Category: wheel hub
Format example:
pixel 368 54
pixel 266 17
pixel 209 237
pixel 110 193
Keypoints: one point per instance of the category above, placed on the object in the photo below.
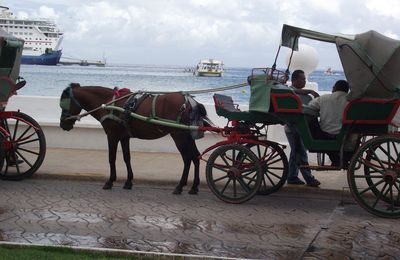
pixel 233 173
pixel 390 177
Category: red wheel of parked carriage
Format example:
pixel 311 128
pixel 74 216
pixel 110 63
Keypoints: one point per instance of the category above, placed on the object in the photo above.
pixel 23 145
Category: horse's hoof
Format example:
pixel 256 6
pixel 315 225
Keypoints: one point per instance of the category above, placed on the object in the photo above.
pixel 177 192
pixel 107 186
pixel 128 186
pixel 193 191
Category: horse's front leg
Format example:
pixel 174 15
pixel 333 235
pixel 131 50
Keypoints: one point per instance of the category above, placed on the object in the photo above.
pixel 127 159
pixel 112 156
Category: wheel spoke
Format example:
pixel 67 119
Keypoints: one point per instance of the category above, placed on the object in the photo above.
pixel 29 141
pixel 233 157
pixel 226 185
pixel 273 174
pixel 223 157
pixel 398 193
pixel 269 178
pixel 387 153
pixel 396 151
pixel 369 176
pixel 234 189
pixel 259 151
pixel 362 161
pixel 277 160
pixel 391 198
pixel 221 178
pixel 378 160
pixel 28 151
pixel 243 185
pixel 23 158
pixel 371 187
pixel 250 179
pixel 221 168
pixel 15 129
pixel 379 196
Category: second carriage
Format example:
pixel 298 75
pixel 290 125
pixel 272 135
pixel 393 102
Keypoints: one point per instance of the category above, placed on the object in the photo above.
pixel 22 141
pixel 247 163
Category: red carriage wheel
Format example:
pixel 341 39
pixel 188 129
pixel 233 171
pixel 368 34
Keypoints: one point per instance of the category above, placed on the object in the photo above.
pixel 234 173
pixel 23 146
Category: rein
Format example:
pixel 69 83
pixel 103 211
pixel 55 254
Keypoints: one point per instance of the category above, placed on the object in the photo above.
pixel 78 117
pixel 200 91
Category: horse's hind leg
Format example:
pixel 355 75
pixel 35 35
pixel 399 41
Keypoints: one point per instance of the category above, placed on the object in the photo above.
pixel 127 159
pixel 112 156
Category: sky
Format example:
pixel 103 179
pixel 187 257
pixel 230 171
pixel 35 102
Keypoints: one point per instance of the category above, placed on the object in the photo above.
pixel 242 33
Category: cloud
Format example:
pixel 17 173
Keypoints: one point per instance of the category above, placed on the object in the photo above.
pixel 242 33
pixel 389 8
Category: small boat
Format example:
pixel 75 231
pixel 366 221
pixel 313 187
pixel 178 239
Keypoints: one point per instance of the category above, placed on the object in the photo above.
pixel 209 68
pixel 328 71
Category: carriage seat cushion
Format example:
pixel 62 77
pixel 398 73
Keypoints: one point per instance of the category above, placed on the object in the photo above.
pixel 223 102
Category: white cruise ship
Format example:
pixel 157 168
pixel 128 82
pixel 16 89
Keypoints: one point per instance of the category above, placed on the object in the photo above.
pixel 42 37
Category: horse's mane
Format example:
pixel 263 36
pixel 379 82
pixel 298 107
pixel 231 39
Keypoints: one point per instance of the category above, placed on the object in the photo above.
pixel 99 90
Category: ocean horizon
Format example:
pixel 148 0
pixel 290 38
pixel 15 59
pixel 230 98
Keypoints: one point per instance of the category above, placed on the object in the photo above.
pixel 51 80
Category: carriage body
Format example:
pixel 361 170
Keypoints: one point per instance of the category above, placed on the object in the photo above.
pixel 22 141
pixel 369 128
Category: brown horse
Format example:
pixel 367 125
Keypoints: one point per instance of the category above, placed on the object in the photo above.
pixel 120 127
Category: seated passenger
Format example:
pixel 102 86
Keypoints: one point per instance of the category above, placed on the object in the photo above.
pixel 330 108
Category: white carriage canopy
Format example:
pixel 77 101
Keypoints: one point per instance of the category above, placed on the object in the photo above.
pixel 10 53
pixel 371 61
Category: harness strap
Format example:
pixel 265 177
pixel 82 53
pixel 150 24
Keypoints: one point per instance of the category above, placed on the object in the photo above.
pixel 71 94
pixel 110 115
pixel 153 107
pixel 183 107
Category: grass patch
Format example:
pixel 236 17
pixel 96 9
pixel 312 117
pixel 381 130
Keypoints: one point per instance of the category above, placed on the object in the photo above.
pixel 43 253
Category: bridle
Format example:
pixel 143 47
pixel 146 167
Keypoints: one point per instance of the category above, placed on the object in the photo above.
pixel 65 104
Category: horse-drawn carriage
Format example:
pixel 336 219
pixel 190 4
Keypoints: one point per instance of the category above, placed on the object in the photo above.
pixel 22 142
pixel 247 163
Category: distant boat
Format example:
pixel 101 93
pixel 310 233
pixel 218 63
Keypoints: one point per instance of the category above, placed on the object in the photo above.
pixel 209 68
pixel 329 71
pixel 42 37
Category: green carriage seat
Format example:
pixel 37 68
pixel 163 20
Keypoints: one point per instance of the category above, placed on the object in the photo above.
pixel 370 115
pixel 224 106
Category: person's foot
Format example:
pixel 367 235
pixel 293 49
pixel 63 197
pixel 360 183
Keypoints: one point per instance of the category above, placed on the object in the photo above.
pixel 313 183
pixel 295 181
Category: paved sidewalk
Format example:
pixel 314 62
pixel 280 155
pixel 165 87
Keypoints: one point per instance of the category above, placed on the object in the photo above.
pixel 147 167
pixel 64 204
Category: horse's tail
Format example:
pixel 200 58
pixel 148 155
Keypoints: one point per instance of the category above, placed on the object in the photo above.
pixel 198 116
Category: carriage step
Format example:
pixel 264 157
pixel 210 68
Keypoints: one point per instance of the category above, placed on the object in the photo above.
pixel 320 168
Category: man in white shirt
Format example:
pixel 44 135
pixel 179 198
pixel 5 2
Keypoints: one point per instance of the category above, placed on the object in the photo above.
pixel 330 108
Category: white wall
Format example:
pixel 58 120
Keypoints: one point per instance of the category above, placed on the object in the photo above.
pixel 88 134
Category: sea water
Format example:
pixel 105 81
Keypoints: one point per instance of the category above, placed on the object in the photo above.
pixel 51 80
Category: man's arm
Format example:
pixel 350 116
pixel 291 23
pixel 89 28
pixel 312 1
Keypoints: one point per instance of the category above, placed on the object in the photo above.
pixel 306 92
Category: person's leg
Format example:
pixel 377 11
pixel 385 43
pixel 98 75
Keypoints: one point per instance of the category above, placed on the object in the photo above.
pixel 293 169
pixel 303 160
pixel 334 157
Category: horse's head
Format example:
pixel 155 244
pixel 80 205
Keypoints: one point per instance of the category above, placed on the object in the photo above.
pixel 70 107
